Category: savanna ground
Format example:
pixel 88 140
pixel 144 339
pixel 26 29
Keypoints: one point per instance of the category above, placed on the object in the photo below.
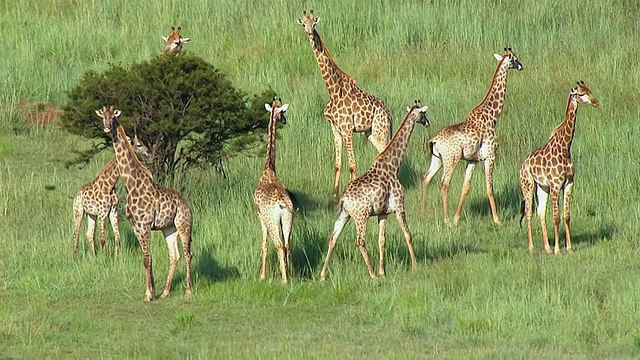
pixel 476 293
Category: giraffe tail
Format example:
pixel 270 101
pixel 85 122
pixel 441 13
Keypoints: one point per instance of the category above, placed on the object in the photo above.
pixel 522 211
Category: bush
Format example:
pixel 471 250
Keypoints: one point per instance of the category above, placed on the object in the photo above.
pixel 184 109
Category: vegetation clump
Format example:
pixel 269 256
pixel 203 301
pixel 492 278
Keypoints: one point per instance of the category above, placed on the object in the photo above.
pixel 183 108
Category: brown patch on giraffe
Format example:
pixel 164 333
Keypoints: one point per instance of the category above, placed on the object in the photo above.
pixel 39 114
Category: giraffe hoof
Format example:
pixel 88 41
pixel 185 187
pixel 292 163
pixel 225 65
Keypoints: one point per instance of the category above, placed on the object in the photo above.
pixel 188 292
pixel 164 295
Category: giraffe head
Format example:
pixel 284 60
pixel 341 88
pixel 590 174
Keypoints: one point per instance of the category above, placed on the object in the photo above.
pixel 174 42
pixel 308 22
pixel 419 113
pixel 584 95
pixel 109 115
pixel 277 109
pixel 511 57
pixel 139 147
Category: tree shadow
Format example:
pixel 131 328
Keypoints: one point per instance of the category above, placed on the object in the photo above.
pixel 207 267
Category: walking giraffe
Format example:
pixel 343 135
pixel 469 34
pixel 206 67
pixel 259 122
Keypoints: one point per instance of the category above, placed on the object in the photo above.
pixel 350 109
pixel 150 207
pixel 275 208
pixel 378 192
pixel 550 169
pixel 474 140
pixel 174 42
pixel 98 200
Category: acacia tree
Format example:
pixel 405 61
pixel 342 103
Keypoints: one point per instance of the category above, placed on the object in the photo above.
pixel 184 109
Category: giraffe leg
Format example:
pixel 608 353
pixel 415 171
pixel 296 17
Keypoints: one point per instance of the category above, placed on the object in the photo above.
pixel 287 224
pixel 275 231
pixel 103 231
pixel 78 215
pixel 343 218
pixel 382 220
pixel 436 164
pixel 351 157
pixel 527 186
pixel 540 211
pixel 488 176
pixel 466 185
pixel 379 136
pixel 91 230
pixel 143 233
pixel 337 142
pixel 113 218
pixel 361 243
pixel 171 236
pixel 447 173
pixel 555 197
pixel 567 215
pixel 184 230
pixel 265 248
pixel 402 221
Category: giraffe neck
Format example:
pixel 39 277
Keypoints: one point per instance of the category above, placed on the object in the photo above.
pixel 271 143
pixel 563 133
pixel 110 173
pixel 333 77
pixel 132 172
pixel 491 105
pixel 392 155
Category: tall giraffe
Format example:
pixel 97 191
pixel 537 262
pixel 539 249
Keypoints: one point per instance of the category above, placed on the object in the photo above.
pixel 350 109
pixel 378 192
pixel 275 208
pixel 549 169
pixel 174 42
pixel 473 140
pixel 98 200
pixel 150 206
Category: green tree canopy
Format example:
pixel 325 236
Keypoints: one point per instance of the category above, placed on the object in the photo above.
pixel 186 111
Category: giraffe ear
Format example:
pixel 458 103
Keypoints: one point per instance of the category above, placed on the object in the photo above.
pixel 408 108
pixel 117 113
pixel 284 107
pixel 300 22
pixel 424 109
pixel 165 38
pixel 268 107
pixel 497 57
pixel 185 40
pixel 99 113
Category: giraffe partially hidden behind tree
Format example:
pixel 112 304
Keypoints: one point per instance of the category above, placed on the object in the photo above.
pixel 174 42
pixel 474 140
pixel 378 192
pixel 150 207
pixel 98 200
pixel 350 109
pixel 549 169
pixel 275 208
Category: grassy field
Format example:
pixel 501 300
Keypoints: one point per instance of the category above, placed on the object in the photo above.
pixel 477 291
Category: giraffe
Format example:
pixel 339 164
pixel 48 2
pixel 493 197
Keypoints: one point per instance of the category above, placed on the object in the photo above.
pixel 98 200
pixel 150 207
pixel 549 169
pixel 174 42
pixel 378 192
pixel 350 109
pixel 275 208
pixel 473 140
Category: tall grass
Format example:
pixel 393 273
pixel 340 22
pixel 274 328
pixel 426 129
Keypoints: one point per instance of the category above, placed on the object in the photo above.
pixel 477 292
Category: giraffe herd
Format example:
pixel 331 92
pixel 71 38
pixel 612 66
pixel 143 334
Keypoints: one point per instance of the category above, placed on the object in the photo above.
pixel 548 170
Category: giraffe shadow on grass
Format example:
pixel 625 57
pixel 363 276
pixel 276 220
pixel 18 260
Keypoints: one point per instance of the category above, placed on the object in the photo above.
pixel 206 266
pixel 508 199
pixel 306 251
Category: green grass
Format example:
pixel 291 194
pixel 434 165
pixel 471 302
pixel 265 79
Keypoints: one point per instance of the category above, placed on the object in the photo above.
pixel 477 292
